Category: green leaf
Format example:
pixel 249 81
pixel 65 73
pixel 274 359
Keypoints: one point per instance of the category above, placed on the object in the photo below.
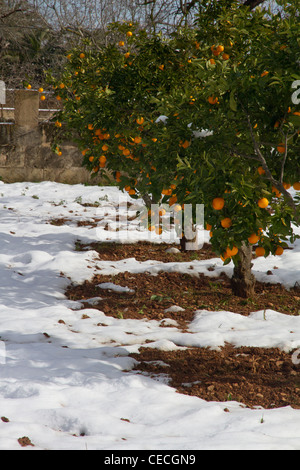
pixel 227 261
pixel 232 101
pixel 295 120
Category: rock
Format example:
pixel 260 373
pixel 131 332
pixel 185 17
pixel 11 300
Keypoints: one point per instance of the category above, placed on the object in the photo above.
pixel 172 250
pixel 174 309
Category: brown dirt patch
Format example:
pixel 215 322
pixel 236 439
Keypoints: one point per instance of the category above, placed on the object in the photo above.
pixel 252 376
pixel 187 291
pixel 153 294
pixel 25 441
pixel 143 251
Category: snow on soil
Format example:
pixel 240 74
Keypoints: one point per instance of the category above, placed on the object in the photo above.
pixel 67 382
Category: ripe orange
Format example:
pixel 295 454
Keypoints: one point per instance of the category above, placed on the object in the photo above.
pixel 253 238
pixel 43 97
pixel 82 55
pixel 279 251
pixel 172 200
pixel 121 43
pixel 41 90
pixel 286 185
pixel 62 86
pixel 212 61
pixel 91 159
pixel 58 124
pixel 260 170
pixel 296 186
pixel 260 251
pixel 220 49
pixel 215 52
pixel 226 223
pixel 137 140
pixel 225 56
pixel 102 159
pixel 140 120
pixel 177 208
pixel 131 192
pixel 212 100
pixel 218 203
pixel 208 227
pixel 185 144
pixel 232 251
pixel 281 148
pixel 167 192
pixel 263 203
pixel 105 148
pixel 129 34
pixel 275 190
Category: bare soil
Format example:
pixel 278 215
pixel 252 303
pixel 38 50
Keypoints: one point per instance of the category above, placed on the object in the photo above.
pixel 256 377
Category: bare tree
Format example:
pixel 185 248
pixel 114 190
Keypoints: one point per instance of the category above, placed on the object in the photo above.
pixel 34 34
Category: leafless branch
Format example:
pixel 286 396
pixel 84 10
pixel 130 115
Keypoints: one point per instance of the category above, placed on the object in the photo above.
pixel 6 15
pixel 253 3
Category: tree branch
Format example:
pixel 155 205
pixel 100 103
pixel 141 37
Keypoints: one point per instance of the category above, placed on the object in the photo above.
pixel 278 184
pixel 253 3
pixel 6 15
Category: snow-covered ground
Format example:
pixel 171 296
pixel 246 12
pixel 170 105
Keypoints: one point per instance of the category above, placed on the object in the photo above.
pixel 65 375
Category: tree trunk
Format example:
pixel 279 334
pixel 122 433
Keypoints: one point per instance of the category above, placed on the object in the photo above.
pixel 148 200
pixel 243 281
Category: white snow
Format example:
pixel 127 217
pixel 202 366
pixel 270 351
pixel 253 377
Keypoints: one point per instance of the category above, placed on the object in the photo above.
pixel 114 287
pixel 66 380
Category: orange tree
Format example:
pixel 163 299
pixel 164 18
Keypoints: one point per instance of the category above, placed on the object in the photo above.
pixel 230 136
pixel 110 98
pixel 241 126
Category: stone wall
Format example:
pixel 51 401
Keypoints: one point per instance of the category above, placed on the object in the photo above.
pixel 25 148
